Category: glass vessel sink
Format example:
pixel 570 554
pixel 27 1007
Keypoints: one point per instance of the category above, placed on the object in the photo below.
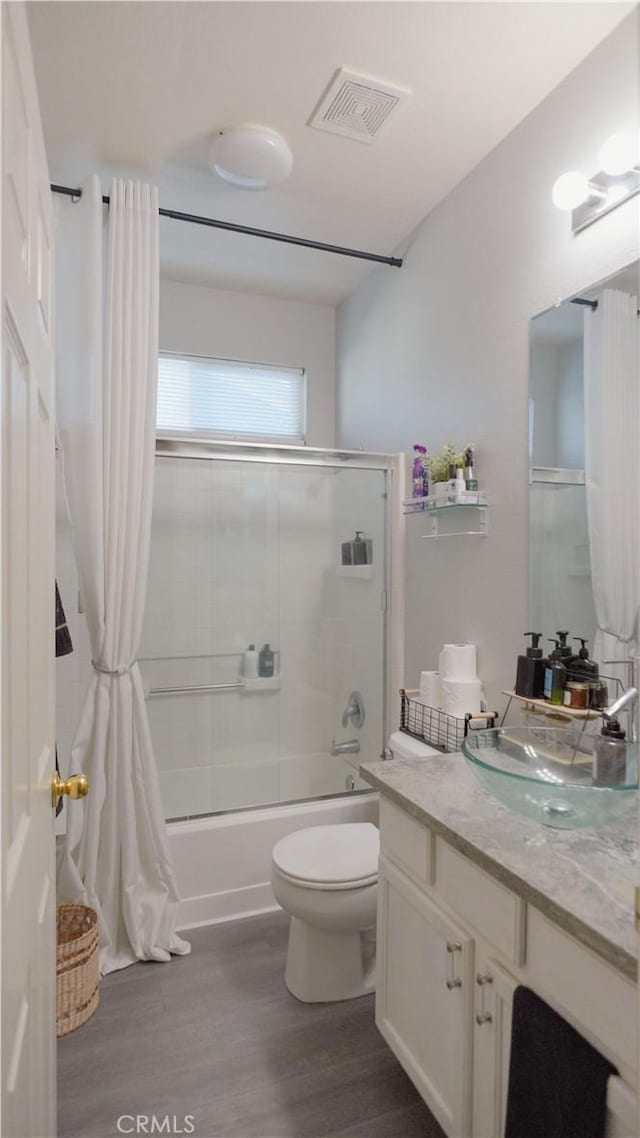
pixel 541 772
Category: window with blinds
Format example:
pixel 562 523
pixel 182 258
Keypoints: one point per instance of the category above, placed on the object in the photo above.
pixel 226 398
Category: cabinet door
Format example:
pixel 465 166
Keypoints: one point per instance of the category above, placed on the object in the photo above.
pixel 424 997
pixel 494 989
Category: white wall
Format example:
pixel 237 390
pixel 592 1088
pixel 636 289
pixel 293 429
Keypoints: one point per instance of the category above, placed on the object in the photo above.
pixel 260 329
pixel 439 349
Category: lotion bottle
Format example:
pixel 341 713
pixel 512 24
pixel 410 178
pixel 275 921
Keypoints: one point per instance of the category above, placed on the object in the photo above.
pixel 250 663
pixel 555 675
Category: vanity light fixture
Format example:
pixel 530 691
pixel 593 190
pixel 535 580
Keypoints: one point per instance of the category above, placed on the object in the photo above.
pixel 617 180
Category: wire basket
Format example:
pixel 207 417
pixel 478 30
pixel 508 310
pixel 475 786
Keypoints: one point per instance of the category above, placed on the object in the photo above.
pixel 76 967
pixel 436 727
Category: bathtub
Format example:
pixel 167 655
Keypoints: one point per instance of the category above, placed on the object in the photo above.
pixel 223 862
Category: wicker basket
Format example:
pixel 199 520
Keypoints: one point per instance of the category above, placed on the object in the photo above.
pixel 76 967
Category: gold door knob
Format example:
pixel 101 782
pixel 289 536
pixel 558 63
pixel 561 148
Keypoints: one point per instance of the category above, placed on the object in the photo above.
pixel 76 786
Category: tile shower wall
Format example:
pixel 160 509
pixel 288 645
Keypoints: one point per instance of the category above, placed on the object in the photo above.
pixel 248 553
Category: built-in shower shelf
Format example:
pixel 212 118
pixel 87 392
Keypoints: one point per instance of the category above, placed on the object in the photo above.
pixel 262 683
pixel 364 572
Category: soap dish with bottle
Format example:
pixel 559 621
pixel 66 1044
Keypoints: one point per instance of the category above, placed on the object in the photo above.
pixel 259 671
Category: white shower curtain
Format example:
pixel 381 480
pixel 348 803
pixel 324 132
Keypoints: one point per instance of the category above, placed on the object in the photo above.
pixel 116 855
pixel 612 471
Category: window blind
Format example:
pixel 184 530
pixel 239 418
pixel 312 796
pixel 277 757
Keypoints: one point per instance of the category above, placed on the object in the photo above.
pixel 223 397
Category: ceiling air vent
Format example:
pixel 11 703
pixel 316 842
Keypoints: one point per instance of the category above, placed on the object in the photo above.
pixel 356 106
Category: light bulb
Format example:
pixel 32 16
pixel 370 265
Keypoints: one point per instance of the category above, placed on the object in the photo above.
pixel 570 190
pixel 618 154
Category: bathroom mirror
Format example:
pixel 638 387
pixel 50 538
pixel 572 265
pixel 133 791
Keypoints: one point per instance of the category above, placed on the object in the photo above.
pixel 583 468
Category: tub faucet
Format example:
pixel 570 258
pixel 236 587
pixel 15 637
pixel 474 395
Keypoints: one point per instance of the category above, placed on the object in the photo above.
pixel 351 747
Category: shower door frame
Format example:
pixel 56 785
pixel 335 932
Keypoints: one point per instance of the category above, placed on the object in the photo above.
pixel 392 593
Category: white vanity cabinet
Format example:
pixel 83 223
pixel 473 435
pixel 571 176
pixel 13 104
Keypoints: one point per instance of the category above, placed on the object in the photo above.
pixel 453 945
pixel 424 995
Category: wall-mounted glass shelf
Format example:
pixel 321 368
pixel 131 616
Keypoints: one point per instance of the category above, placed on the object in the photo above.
pixel 434 510
pixel 477 499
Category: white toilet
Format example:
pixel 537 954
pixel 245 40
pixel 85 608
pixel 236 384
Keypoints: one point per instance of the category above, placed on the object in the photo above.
pixel 326 878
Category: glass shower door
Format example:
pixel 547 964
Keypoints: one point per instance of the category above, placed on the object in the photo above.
pixel 249 552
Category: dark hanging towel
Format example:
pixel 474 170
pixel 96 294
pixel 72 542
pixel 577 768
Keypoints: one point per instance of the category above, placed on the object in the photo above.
pixel 557 1081
pixel 63 648
pixel 63 636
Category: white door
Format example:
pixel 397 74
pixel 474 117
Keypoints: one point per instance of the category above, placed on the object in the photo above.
pixel 424 994
pixel 27 755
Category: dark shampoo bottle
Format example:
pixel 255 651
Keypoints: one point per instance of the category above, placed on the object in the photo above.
pixel 530 671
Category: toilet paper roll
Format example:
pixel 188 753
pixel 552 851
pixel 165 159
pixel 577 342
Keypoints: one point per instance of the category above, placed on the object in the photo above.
pixel 458 662
pixel 430 689
pixel 461 697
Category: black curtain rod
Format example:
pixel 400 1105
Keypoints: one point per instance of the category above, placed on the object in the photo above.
pixel 592 304
pixel 212 223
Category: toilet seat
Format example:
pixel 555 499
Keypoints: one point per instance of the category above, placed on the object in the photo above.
pixel 330 857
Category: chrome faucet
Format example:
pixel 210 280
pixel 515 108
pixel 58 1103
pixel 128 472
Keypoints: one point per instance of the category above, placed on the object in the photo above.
pixel 633 664
pixel 354 711
pixel 623 701
pixel 351 747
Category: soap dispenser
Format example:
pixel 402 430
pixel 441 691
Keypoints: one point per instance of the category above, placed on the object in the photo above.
pixel 610 754
pixel 565 651
pixel 531 669
pixel 555 673
pixel 362 549
pixel 581 667
pixel 266 662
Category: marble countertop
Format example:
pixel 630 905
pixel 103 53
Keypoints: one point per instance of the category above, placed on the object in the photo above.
pixel 581 879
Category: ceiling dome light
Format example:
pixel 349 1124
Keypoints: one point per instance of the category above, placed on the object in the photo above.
pixel 570 190
pixel 618 154
pixel 251 157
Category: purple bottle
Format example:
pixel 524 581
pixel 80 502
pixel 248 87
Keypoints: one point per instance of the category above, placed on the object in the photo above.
pixel 419 473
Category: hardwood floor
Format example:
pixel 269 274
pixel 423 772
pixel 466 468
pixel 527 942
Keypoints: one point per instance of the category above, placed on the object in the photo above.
pixel 217 1036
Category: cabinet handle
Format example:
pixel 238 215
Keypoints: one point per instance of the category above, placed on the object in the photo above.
pixel 483 1016
pixel 483 978
pixel 453 981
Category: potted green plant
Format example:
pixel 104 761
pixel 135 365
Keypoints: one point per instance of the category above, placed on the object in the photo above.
pixel 440 463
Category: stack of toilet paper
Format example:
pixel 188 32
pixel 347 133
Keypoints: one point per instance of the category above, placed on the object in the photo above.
pixel 460 687
pixel 430 689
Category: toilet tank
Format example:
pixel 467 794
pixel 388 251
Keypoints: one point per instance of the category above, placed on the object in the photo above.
pixel 403 746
